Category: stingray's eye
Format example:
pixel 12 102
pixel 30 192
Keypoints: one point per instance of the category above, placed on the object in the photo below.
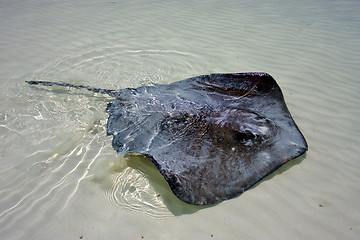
pixel 245 138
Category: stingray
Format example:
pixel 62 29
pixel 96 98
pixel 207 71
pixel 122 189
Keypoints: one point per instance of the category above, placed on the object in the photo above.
pixel 212 136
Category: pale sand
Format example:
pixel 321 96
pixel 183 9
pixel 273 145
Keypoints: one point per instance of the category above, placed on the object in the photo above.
pixel 60 177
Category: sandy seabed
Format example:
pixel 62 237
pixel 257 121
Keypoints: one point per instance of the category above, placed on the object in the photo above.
pixel 60 177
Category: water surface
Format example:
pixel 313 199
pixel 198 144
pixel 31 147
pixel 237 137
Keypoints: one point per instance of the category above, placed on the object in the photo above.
pixel 60 177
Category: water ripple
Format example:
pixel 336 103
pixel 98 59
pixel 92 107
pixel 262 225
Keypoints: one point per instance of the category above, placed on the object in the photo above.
pixel 117 67
pixel 126 187
pixel 57 164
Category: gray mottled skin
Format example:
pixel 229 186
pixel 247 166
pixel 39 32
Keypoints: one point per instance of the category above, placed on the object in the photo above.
pixel 211 137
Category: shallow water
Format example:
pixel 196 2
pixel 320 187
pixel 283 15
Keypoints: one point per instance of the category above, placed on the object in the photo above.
pixel 60 177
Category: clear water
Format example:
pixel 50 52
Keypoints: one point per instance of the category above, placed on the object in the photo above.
pixel 60 177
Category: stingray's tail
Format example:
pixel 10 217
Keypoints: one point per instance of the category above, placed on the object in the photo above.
pixel 112 93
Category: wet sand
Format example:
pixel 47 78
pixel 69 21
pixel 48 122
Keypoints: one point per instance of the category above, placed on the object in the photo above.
pixel 60 177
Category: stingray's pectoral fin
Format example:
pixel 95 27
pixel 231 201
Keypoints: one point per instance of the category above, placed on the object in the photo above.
pixel 112 93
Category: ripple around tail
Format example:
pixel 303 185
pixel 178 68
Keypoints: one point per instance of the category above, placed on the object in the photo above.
pixel 116 67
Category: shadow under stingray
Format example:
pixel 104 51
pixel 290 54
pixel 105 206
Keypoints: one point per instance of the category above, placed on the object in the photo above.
pixel 174 204
pixel 280 170
pixel 161 186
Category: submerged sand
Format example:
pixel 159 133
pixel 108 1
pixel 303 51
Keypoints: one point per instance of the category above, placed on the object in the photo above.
pixel 60 177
